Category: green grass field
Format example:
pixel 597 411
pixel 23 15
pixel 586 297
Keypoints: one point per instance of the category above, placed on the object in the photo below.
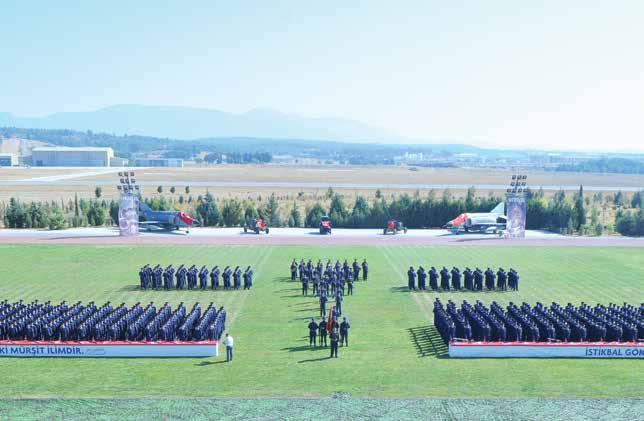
pixel 393 353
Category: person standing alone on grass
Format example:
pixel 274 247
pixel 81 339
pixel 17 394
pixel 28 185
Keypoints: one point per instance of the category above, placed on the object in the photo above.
pixel 229 342
pixel 334 343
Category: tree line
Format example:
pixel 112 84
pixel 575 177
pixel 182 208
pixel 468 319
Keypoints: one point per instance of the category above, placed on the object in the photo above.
pixel 563 213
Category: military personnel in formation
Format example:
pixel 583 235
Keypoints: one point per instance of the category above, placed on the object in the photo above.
pixel 344 332
pixel 237 277
pixel 248 278
pixel 293 270
pixel 513 280
pixel 334 337
pixel 468 278
pixel 433 279
pixel 322 332
pixel 226 275
pixel 350 287
pixel 168 278
pixel 422 277
pixel 489 279
pixel 203 278
pixel 445 279
pixel 456 278
pixel 214 278
pixel 313 331
pixel 305 286
pixel 323 301
pixel 411 279
pixel 501 280
pixel 478 279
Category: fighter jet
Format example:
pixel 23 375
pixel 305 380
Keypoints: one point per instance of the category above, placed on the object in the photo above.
pixel 165 220
pixel 479 222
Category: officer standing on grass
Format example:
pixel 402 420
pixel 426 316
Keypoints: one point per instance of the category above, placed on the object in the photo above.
pixel 350 287
pixel 229 342
pixel 293 270
pixel 334 343
pixel 365 270
pixel 313 331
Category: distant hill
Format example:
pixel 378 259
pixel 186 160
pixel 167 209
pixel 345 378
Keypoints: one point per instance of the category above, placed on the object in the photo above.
pixel 193 123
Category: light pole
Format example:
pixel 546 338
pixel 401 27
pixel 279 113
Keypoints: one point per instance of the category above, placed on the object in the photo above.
pixel 128 204
pixel 516 206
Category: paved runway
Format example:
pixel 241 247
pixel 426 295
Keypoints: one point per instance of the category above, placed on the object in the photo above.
pixel 302 236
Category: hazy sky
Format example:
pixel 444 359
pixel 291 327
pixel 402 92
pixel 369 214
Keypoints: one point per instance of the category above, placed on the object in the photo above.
pixel 565 73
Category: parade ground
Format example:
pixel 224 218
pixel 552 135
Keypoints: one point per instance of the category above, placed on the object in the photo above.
pixel 394 350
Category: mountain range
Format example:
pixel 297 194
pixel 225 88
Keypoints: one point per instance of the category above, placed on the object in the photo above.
pixel 195 123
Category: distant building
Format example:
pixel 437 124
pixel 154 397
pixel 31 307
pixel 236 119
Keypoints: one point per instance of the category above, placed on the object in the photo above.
pixel 8 160
pixel 119 162
pixel 71 157
pixel 158 162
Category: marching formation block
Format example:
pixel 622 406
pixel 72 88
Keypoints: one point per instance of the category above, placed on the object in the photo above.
pixel 539 324
pixel 55 323
pixel 160 278
pixel 472 280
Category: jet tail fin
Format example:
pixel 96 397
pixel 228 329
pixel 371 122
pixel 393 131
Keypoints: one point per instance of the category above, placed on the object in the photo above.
pixel 144 207
pixel 499 209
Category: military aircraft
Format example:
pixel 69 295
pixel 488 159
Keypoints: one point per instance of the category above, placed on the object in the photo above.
pixel 482 223
pixel 165 220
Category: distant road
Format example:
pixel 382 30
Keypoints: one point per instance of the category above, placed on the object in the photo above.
pixel 68 181
pixel 304 236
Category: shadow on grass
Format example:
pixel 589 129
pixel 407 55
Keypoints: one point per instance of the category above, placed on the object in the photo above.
pixel 194 290
pixel 205 363
pixel 428 342
pixel 304 348
pixel 316 309
pixel 314 360
pixel 399 289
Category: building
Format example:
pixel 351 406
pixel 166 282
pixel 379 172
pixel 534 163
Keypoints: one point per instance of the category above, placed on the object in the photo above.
pixel 158 162
pixel 119 162
pixel 71 157
pixel 8 160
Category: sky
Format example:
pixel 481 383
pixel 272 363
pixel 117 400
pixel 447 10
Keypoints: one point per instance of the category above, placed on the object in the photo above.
pixel 566 74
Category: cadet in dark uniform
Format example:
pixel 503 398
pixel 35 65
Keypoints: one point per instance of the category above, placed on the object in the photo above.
pixel 501 278
pixel 489 279
pixel 344 332
pixel 422 276
pixel 214 278
pixel 313 331
pixel 322 332
pixel 469 279
pixel 305 286
pixel 433 279
pixel 323 300
pixel 237 277
pixel 411 278
pixel 350 287
pixel 444 279
pixel 365 270
pixel 203 278
pixel 334 343
pixel 478 279
pixel 456 278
